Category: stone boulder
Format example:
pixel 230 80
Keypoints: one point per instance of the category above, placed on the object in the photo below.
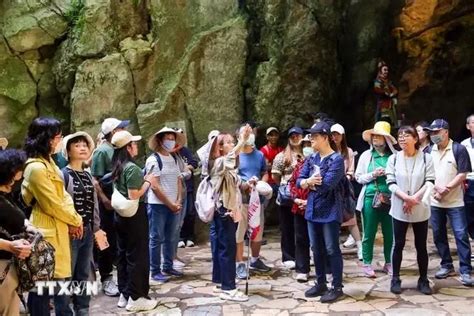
pixel 29 25
pixel 103 88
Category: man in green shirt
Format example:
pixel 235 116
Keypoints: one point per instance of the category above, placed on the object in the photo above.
pixel 101 165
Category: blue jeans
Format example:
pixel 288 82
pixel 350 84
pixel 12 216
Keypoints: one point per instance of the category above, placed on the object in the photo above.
pixel 457 218
pixel 164 226
pixel 223 247
pixel 38 305
pixel 324 240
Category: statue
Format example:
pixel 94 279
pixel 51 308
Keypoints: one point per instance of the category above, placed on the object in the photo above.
pixel 386 94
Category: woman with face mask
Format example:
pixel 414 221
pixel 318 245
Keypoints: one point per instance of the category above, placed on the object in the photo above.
pixel 339 137
pixel 165 203
pixel 298 208
pixel 282 168
pixel 370 173
pixel 53 209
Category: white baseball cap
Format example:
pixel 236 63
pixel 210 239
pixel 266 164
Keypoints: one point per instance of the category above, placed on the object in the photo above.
pixel 122 138
pixel 272 129
pixel 111 123
pixel 338 129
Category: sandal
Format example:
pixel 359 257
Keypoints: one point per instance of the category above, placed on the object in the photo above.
pixel 234 295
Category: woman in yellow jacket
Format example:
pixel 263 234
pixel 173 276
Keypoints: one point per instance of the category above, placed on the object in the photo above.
pixel 53 209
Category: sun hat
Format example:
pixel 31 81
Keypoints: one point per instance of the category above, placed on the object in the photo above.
pixel 111 123
pixel 68 138
pixel 272 129
pixel 3 143
pixel 437 125
pixel 123 138
pixel 179 133
pixel 380 128
pixel 338 128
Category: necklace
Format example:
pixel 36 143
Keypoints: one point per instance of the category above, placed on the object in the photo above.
pixel 409 175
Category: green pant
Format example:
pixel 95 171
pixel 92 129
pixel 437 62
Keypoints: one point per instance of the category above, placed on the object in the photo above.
pixel 370 221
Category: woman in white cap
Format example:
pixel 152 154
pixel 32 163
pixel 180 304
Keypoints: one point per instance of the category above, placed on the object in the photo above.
pixel 77 149
pixel 282 169
pixel 220 163
pixel 374 198
pixel 339 137
pixel 132 231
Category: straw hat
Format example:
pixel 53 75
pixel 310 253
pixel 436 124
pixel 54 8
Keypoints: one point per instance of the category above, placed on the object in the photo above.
pixel 123 138
pixel 3 143
pixel 380 128
pixel 179 133
pixel 68 138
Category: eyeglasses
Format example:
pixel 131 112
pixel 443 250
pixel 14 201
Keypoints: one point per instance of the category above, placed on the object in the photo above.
pixel 402 136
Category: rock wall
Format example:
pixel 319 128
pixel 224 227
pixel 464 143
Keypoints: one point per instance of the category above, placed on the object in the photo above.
pixel 213 63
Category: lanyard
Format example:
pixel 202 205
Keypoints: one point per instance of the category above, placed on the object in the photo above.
pixel 409 175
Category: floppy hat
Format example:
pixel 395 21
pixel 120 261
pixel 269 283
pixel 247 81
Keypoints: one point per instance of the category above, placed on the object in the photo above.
pixel 122 138
pixel 380 128
pixel 436 125
pixel 272 129
pixel 179 134
pixel 111 123
pixel 204 152
pixel 320 128
pixel 3 143
pixel 68 138
pixel 338 128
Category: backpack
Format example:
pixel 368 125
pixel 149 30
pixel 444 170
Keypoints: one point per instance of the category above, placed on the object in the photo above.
pixel 160 162
pixel 39 266
pixel 346 191
pixel 206 198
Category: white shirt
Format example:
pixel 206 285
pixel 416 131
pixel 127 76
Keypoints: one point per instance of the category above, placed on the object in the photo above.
pixel 468 144
pixel 409 175
pixel 168 178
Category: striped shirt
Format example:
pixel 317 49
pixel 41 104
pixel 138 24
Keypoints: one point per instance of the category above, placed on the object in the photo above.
pixel 168 178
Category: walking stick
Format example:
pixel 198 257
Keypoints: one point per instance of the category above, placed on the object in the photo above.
pixel 248 265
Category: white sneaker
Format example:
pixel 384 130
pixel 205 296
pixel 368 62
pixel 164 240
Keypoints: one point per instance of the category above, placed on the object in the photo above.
pixel 234 295
pixel 181 244
pixel 350 242
pixel 189 243
pixel 302 277
pixel 290 264
pixel 122 302
pixel 217 289
pixel 178 265
pixel 141 304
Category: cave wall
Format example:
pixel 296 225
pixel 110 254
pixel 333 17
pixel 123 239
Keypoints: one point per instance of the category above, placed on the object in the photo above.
pixel 212 63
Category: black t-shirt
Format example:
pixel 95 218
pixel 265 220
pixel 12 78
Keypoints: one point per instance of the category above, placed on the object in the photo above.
pixel 83 196
pixel 12 219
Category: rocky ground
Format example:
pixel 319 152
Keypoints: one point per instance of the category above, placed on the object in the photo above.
pixel 278 293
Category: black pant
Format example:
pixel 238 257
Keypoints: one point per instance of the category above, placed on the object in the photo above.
pixel 302 244
pixel 187 231
pixel 107 256
pixel 469 207
pixel 287 230
pixel 133 267
pixel 420 231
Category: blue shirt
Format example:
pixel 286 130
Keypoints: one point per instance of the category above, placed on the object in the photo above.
pixel 324 203
pixel 252 164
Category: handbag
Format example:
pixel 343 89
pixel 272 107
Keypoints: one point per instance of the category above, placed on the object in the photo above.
pixel 284 195
pixel 123 206
pixel 381 201
pixel 39 266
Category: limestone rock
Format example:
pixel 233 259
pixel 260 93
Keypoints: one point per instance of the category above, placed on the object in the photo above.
pixel 30 25
pixel 103 88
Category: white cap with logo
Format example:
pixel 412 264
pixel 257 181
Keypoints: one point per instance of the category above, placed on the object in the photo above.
pixel 111 123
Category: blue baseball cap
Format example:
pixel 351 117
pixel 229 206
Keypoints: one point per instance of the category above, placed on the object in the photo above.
pixel 295 130
pixel 320 128
pixel 436 125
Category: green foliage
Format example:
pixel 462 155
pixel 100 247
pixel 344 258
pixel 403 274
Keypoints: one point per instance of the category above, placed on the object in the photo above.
pixel 136 2
pixel 75 15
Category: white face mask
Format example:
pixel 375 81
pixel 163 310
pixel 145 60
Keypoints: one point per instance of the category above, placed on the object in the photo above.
pixel 307 151
pixel 251 140
pixel 169 145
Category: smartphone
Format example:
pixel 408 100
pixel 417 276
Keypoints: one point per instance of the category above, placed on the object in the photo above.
pixel 101 240
pixel 151 170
